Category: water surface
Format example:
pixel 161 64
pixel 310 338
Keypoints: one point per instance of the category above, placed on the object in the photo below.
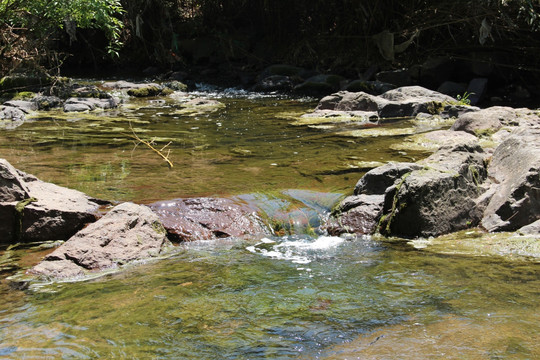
pixel 282 297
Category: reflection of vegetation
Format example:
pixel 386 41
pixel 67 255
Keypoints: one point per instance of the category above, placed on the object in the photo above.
pixel 102 180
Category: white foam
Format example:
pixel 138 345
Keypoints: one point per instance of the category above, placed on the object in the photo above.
pixel 300 251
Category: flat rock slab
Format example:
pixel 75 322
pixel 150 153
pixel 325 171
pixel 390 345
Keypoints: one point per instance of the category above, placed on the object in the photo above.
pixel 126 85
pixel 127 233
pixel 87 104
pixel 433 140
pixel 33 210
pixel 207 218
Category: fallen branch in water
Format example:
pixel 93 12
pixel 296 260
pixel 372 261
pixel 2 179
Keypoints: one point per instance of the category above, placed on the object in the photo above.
pixel 150 145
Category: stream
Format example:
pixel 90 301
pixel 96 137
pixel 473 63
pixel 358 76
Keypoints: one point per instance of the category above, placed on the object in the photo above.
pixel 300 295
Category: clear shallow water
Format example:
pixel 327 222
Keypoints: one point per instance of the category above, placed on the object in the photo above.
pixel 279 298
pixel 221 300
pixel 247 146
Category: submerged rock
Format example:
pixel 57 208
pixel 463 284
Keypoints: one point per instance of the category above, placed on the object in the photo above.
pixel 207 218
pixel 127 233
pixel 33 210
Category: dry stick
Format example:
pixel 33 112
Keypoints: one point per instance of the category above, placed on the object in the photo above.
pixel 159 152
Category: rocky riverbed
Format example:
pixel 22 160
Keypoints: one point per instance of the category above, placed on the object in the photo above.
pixel 483 173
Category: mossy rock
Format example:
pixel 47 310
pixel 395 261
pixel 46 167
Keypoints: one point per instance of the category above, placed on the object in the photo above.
pixel 24 95
pixel 24 82
pixel 145 91
pixel 175 86
pixel 166 92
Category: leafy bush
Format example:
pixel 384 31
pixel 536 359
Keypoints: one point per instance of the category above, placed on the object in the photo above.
pixel 29 25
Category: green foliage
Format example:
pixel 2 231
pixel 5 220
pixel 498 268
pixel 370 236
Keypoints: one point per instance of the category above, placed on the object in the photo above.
pixel 52 15
pixel 27 27
pixel 464 99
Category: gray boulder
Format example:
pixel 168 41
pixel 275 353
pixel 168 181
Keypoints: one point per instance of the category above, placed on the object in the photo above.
pixel 356 214
pixel 125 85
pixel 531 229
pixel 439 198
pixel 26 106
pixel 33 210
pixel 515 171
pixel 406 101
pixel 376 181
pixel 127 233
pixel 486 120
pixel 360 213
pixel 87 104
pixel 11 117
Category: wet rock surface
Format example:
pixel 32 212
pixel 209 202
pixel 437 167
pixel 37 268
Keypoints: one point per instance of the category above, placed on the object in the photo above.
pixel 207 218
pixel 33 210
pixel 127 233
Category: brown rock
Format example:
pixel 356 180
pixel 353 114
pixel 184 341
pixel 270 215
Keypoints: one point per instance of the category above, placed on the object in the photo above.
pixel 207 218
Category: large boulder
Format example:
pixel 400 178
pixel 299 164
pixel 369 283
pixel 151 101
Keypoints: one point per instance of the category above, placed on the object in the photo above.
pixel 127 233
pixel 207 218
pixel 515 170
pixel 485 121
pixel 360 213
pixel 406 101
pixel 356 214
pixel 439 198
pixel 33 210
pixel 412 100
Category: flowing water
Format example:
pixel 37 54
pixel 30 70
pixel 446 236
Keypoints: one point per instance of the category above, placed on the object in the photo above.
pixel 280 297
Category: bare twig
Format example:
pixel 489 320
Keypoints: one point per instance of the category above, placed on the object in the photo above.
pixel 149 144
